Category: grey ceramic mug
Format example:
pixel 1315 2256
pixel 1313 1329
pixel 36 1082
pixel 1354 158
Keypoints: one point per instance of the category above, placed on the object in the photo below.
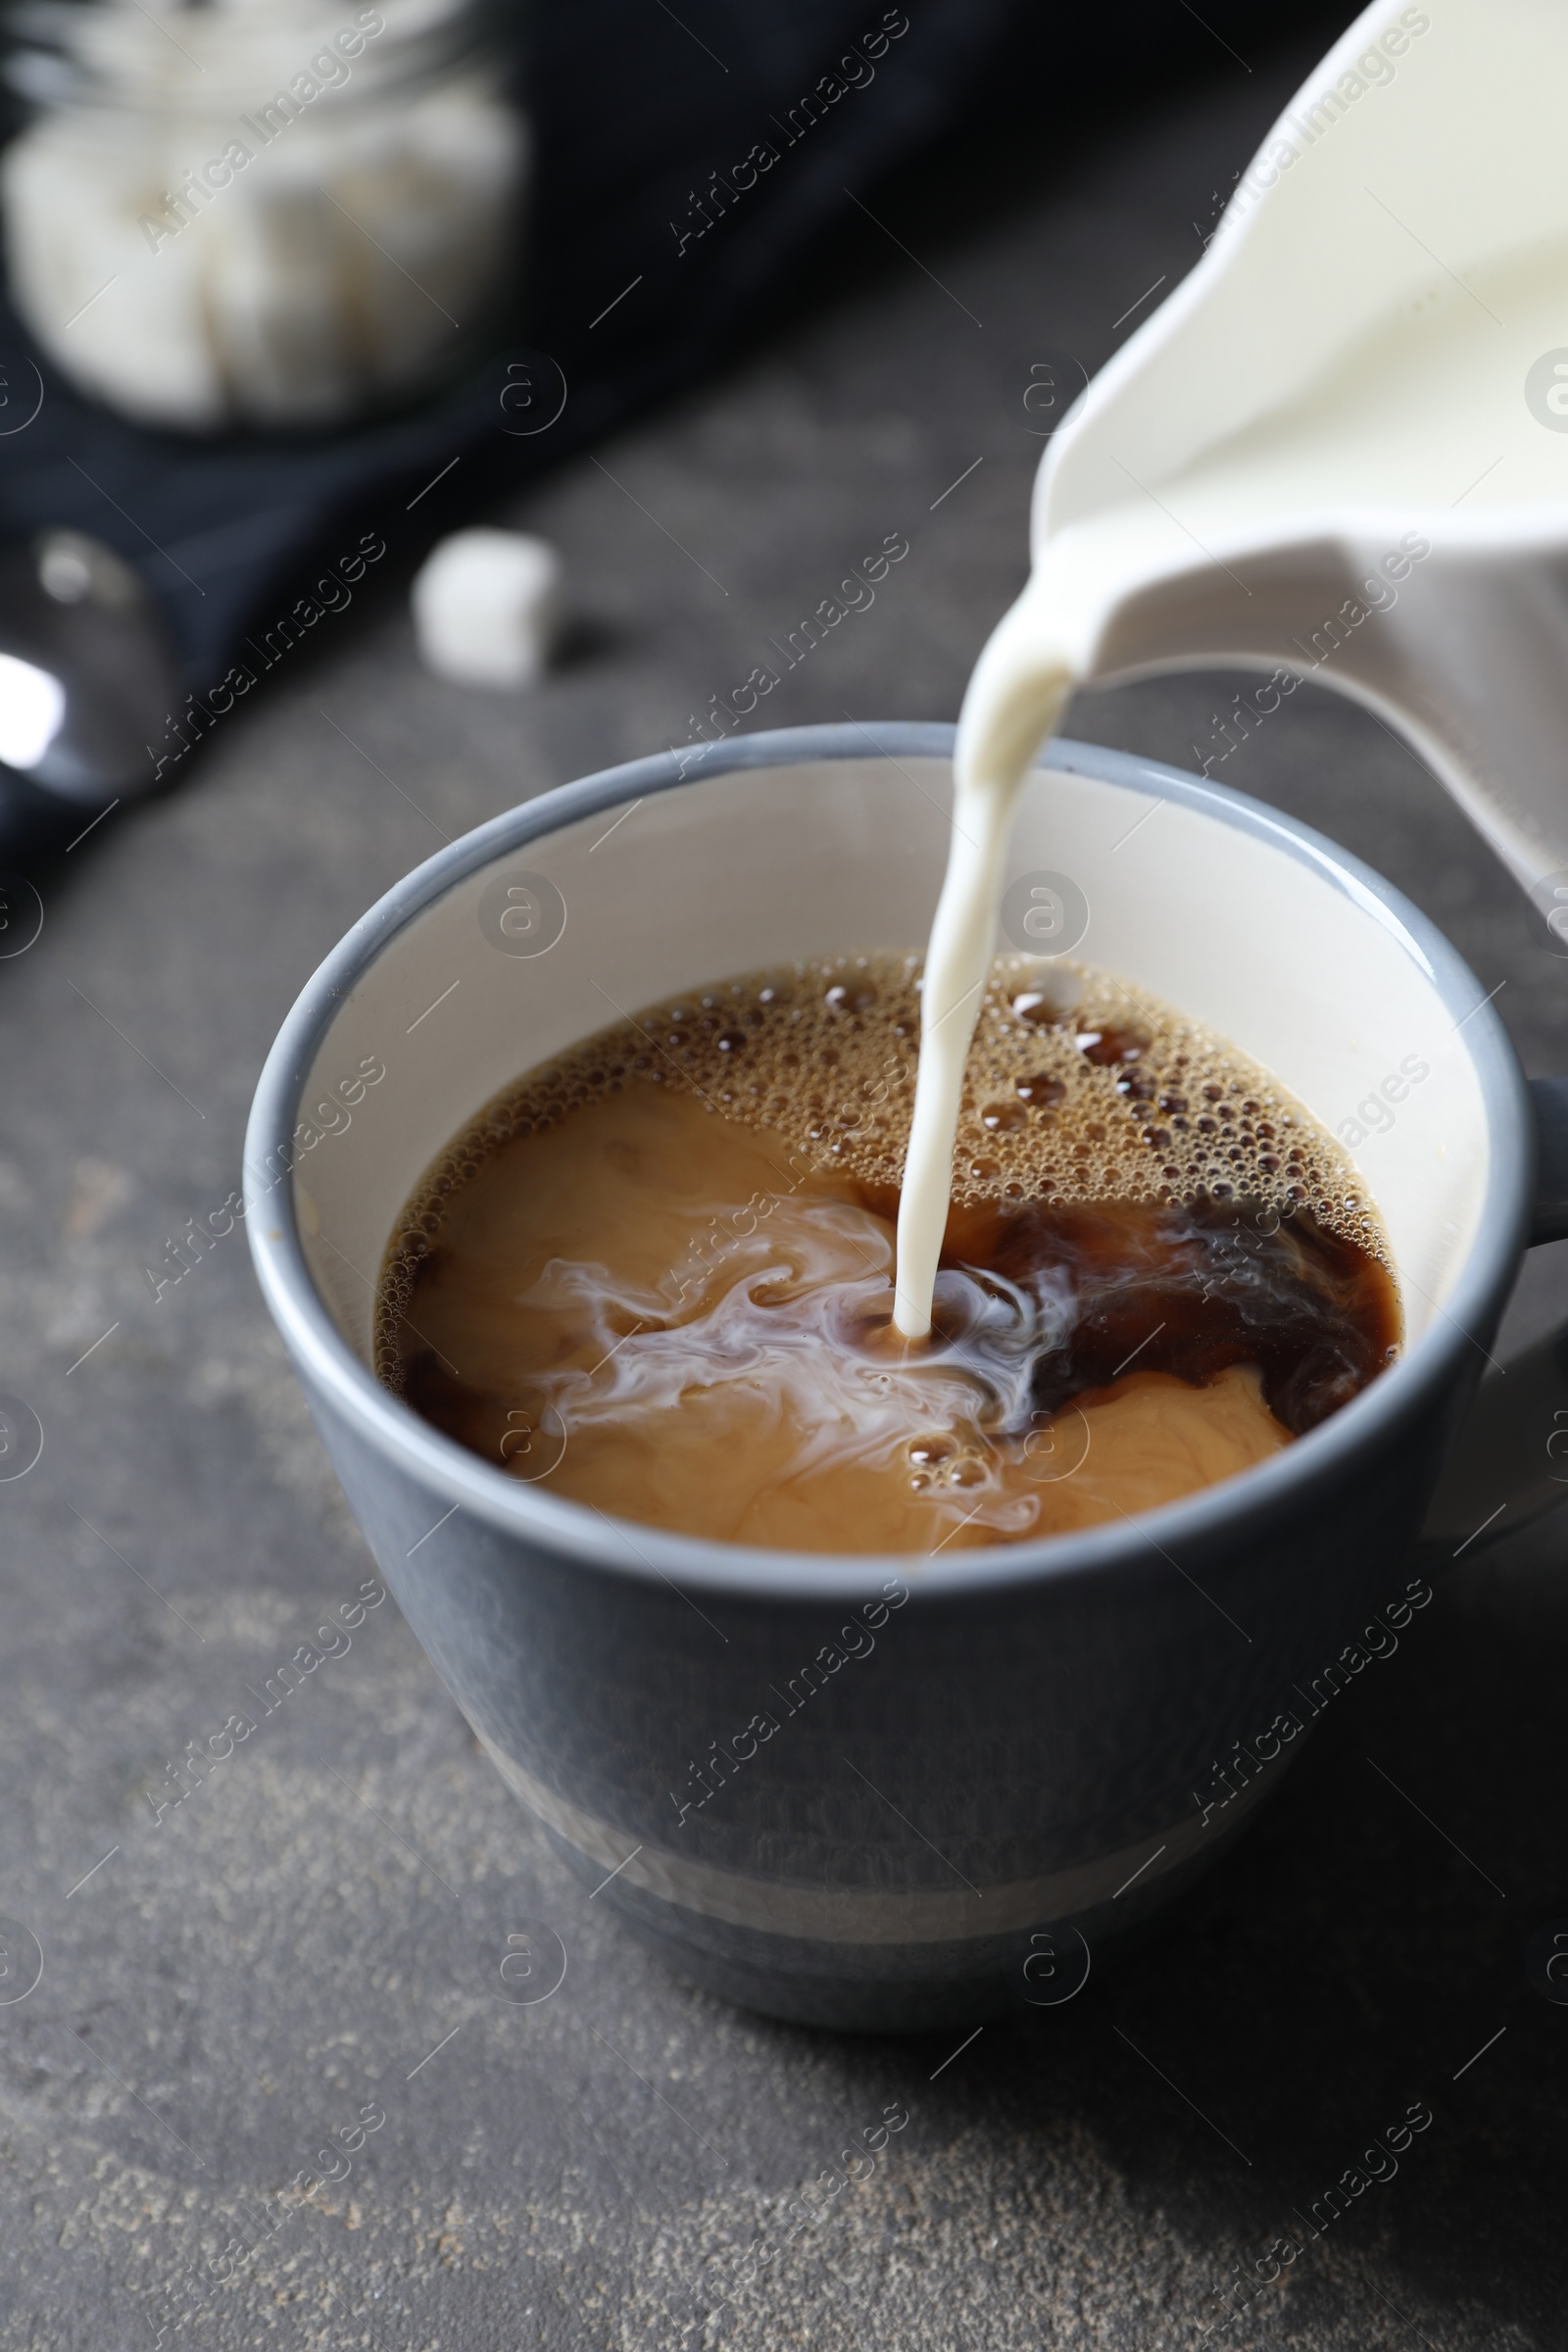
pixel 892 1792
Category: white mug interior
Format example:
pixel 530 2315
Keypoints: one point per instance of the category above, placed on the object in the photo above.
pixel 1240 925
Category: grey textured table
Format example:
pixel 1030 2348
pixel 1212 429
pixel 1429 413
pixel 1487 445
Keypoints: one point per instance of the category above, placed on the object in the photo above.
pixel 229 1978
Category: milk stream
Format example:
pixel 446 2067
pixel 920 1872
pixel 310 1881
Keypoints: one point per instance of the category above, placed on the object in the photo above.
pixel 1019 690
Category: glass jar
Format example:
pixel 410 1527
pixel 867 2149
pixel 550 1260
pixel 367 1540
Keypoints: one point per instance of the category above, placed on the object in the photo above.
pixel 260 213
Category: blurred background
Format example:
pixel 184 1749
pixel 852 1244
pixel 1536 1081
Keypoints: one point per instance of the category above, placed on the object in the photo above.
pixel 532 271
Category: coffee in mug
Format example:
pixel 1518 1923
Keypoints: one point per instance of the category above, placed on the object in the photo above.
pixel 656 1275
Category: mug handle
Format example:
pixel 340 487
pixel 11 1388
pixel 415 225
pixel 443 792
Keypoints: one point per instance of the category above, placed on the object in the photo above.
pixel 1509 1462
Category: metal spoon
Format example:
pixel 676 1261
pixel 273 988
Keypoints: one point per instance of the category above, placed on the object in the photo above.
pixel 88 680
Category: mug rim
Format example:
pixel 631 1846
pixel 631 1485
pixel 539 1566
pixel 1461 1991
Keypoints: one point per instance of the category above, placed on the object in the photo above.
pixel 746 1571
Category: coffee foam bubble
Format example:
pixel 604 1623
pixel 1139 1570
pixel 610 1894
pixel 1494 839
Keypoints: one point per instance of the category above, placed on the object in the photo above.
pixel 1079 1088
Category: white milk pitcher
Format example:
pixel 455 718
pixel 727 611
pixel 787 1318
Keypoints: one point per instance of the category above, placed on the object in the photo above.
pixel 1339 450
